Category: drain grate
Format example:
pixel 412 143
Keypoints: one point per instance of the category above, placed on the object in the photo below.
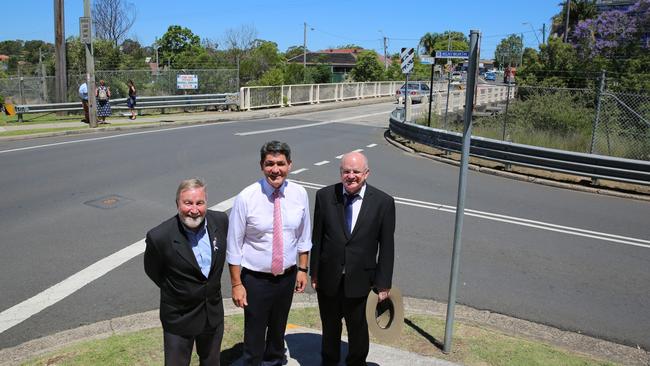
pixel 108 202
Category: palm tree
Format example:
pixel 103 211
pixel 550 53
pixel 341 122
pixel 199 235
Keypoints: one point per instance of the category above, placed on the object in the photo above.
pixel 427 42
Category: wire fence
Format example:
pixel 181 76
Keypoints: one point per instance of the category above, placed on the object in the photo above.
pixel 41 90
pixel 586 120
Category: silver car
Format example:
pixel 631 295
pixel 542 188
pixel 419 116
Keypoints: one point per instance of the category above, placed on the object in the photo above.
pixel 417 90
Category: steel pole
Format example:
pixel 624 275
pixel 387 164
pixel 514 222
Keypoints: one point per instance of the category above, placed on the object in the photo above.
pixel 60 69
pixel 430 95
pixel 597 119
pixel 462 183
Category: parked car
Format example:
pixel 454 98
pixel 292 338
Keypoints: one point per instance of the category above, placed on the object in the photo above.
pixel 490 76
pixel 418 90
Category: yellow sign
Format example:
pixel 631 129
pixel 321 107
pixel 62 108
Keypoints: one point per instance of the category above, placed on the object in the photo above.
pixel 9 109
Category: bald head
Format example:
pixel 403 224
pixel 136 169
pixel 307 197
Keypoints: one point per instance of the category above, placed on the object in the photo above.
pixel 354 171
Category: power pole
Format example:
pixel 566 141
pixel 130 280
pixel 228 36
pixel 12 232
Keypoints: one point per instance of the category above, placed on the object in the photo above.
pixel 521 55
pixel 543 33
pixel 304 52
pixel 385 54
pixel 566 22
pixel 90 68
pixel 61 83
pixel 43 76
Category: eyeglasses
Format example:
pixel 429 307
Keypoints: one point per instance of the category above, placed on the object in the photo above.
pixel 351 171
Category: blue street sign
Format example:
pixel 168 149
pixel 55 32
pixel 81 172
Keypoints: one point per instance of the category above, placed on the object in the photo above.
pixel 452 54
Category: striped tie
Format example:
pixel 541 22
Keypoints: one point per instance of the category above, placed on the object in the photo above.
pixel 277 266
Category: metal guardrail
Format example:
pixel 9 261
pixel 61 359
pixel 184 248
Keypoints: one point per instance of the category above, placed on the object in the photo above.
pixel 589 165
pixel 157 102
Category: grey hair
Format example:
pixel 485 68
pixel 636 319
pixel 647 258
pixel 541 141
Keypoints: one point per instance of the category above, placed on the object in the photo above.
pixel 189 184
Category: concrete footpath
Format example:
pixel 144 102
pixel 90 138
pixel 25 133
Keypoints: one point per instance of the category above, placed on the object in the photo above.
pixel 303 345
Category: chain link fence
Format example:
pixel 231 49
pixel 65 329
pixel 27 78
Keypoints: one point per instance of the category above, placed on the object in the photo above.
pixel 581 120
pixel 40 90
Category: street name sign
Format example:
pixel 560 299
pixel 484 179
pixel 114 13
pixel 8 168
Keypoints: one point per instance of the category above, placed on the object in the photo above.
pixel 427 60
pixel 452 54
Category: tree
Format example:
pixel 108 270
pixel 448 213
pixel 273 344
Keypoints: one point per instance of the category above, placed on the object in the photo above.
pixel 178 39
pixel 453 40
pixel 239 41
pixel 509 51
pixel 580 10
pixel 294 51
pixel 113 19
pixel 367 67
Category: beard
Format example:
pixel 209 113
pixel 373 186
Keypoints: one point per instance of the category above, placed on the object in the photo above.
pixel 192 222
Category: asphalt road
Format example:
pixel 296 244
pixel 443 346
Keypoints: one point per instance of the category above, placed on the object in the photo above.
pixel 587 273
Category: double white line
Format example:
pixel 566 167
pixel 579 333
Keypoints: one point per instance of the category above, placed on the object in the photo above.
pixel 643 243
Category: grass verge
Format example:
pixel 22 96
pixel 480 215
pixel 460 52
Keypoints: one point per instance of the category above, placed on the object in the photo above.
pixel 473 345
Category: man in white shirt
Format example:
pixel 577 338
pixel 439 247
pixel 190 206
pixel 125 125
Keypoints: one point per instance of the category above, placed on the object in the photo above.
pixel 83 95
pixel 269 227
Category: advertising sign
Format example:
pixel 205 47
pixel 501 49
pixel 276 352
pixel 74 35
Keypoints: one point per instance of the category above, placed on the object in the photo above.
pixel 187 82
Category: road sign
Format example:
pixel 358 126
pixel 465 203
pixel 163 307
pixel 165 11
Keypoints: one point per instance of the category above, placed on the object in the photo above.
pixel 84 30
pixel 406 57
pixel 452 54
pixel 427 60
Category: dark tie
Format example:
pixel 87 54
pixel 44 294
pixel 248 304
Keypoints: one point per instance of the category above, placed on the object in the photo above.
pixel 349 199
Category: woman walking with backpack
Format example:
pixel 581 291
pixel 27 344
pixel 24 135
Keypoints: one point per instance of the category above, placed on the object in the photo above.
pixel 103 94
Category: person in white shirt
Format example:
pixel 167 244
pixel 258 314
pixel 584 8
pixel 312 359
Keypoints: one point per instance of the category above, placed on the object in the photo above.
pixel 269 231
pixel 83 95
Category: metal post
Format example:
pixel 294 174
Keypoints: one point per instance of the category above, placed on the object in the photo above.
pixel 462 183
pixel 543 33
pixel 21 85
pixel 430 95
pixel 90 72
pixel 505 115
pixel 597 118
pixel 304 53
pixel 448 93
pixel 43 76
pixel 59 47
pixel 385 54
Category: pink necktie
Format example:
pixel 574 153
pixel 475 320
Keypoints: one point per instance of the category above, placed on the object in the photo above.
pixel 277 261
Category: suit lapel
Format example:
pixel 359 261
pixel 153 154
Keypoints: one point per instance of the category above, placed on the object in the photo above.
pixel 182 247
pixel 213 233
pixel 339 207
pixel 366 202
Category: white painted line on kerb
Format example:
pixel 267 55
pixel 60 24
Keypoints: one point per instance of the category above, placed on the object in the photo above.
pixel 307 125
pixel 371 145
pixel 35 304
pixel 322 162
pixel 357 150
pixel 299 171
pixel 340 156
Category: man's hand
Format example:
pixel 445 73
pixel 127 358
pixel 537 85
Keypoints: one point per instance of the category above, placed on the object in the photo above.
pixel 239 296
pixel 314 282
pixel 382 293
pixel 301 281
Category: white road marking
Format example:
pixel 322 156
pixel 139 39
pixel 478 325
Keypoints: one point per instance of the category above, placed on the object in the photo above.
pixel 39 302
pixel 110 137
pixel 298 171
pixel 357 150
pixel 371 145
pixel 643 243
pixel 307 125
pixel 322 162
pixel 340 156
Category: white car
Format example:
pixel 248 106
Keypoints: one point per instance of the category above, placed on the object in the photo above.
pixel 418 90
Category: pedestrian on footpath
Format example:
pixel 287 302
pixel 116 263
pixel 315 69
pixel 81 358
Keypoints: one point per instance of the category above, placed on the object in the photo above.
pixel 130 101
pixel 83 95
pixel 184 257
pixel 269 229
pixel 353 237
pixel 103 94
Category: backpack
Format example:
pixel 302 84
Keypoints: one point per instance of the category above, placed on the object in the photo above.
pixel 102 94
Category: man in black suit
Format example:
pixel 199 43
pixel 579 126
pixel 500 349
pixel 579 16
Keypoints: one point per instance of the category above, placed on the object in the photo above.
pixel 352 253
pixel 184 257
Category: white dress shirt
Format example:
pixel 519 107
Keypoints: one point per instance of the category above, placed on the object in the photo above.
pixel 250 228
pixel 356 204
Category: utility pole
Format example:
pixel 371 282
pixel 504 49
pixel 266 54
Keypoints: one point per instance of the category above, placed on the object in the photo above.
pixel 304 52
pixel 61 83
pixel 543 33
pixel 385 54
pixel 90 68
pixel 566 22
pixel 521 55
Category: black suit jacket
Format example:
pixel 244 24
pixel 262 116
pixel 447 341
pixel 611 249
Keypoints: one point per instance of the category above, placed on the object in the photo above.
pixel 366 254
pixel 189 302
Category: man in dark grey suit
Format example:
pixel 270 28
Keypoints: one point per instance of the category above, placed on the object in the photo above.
pixel 352 253
pixel 184 257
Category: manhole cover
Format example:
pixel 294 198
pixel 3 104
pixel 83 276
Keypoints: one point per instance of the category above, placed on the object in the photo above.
pixel 110 201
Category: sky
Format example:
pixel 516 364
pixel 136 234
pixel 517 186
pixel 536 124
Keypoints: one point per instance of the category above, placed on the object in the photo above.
pixel 330 23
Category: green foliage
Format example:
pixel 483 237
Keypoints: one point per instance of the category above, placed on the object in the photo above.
pixel 294 51
pixel 367 67
pixel 509 51
pixel 274 76
pixel 452 40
